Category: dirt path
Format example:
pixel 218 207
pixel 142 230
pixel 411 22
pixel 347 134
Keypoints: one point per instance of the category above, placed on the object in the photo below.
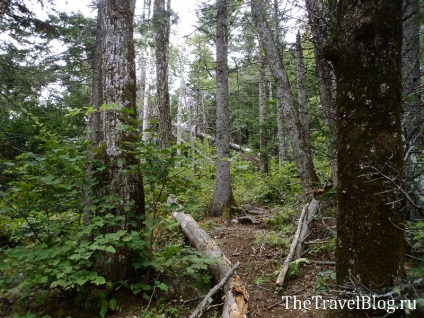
pixel 260 261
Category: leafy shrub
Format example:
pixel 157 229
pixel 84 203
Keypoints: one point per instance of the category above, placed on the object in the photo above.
pixel 49 248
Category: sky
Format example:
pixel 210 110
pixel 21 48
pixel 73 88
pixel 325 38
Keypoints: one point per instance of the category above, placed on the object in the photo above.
pixel 184 8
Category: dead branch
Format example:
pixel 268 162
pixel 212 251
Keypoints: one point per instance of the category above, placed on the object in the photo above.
pixel 208 298
pixel 311 213
pixel 289 257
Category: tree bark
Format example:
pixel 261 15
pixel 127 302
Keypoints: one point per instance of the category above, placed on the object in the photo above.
pixel 262 116
pixel 222 195
pixel 321 22
pixel 118 186
pixel 162 25
pixel 236 296
pixel 281 127
pixel 145 65
pixel 181 100
pixel 301 149
pixel 365 49
pixel 301 89
pixel 412 119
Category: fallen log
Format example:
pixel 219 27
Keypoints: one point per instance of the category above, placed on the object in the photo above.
pixel 236 296
pixel 292 250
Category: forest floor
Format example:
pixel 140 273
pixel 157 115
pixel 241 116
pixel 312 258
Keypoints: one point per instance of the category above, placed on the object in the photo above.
pixel 261 257
pixel 260 248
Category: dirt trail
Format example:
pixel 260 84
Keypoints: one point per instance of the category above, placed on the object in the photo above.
pixel 260 260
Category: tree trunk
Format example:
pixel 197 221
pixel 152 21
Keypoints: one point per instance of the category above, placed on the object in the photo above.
pixel 118 186
pixel 301 149
pixel 262 116
pixel 366 52
pixel 222 195
pixel 144 92
pixel 412 119
pixel 321 22
pixel 181 99
pixel 162 24
pixel 281 136
pixel 301 89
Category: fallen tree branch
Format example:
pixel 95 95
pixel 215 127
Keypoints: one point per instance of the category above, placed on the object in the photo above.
pixel 208 298
pixel 236 296
pixel 211 138
pixel 290 255
pixel 311 214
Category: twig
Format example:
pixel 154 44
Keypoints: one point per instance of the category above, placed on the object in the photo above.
pixel 324 263
pixel 150 301
pixel 414 257
pixel 208 298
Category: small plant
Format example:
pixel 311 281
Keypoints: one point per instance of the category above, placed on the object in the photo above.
pixel 294 268
pixel 324 280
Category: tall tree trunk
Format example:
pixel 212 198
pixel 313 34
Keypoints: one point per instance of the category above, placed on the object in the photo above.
pixel 321 22
pixel 181 98
pixel 262 115
pixel 301 149
pixel 281 127
pixel 301 89
pixel 162 25
pixel 146 104
pixel 118 186
pixel 412 108
pixel 366 52
pixel 144 92
pixel 222 195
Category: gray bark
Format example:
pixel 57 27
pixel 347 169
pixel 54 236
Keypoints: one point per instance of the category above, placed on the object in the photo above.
pixel 145 58
pixel 301 89
pixel 222 196
pixel 281 127
pixel 301 149
pixel 262 116
pixel 119 186
pixel 162 24
pixel 181 99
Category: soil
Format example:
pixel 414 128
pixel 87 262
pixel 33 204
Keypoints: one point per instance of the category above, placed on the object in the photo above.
pixel 261 260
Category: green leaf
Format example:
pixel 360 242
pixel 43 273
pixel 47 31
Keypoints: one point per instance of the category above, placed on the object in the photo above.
pixel 112 304
pixel 100 280
pixel 162 286
pixel 110 249
pixel 103 309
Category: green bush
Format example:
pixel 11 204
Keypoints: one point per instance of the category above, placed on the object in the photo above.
pixel 49 250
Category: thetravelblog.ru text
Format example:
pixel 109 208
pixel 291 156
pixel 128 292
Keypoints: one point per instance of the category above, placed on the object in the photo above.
pixel 359 302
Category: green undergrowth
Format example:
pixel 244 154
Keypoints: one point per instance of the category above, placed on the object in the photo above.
pixel 48 251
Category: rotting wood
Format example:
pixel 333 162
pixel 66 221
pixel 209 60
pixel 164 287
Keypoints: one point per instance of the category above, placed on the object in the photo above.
pixel 207 300
pixel 291 254
pixel 236 296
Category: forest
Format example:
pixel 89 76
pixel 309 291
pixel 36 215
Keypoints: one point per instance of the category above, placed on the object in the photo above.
pixel 268 163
